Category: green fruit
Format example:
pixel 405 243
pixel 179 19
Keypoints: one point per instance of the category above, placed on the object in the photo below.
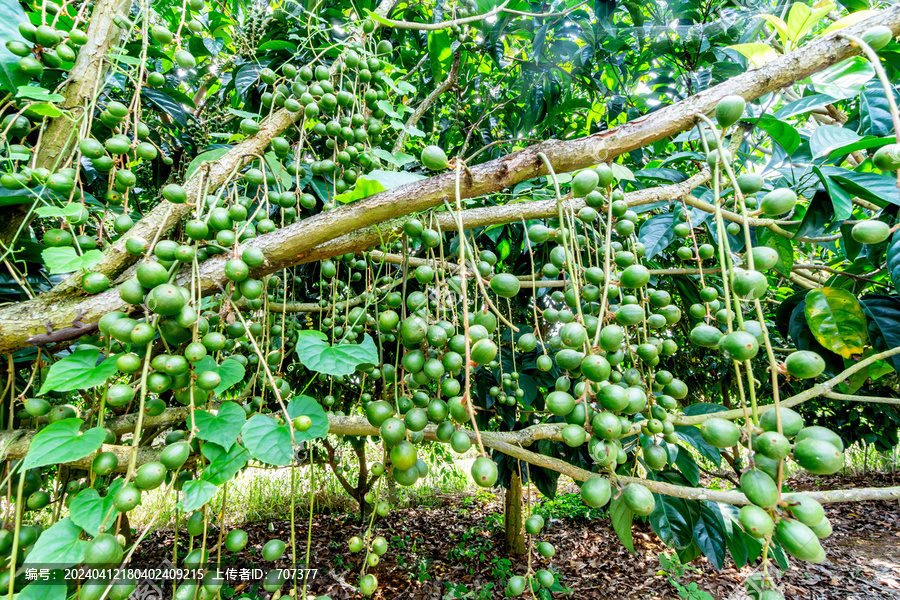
pixel 750 285
pixel 393 431
pixel 484 472
pixel 516 585
pixel 799 541
pixel 595 492
pixel 791 421
pixel 804 364
pixel 804 509
pixel 175 455
pixel 162 35
pixel 739 345
pixel 764 258
pixel 585 182
pixel 773 445
pixel 119 394
pixel 37 407
pixel 94 283
pixel 368 584
pixel 729 110
pixel 822 529
pixel 877 37
pixel 185 59
pixel 534 524
pixel 720 433
pixel 595 368
pixel 403 455
pixel 483 351
pixel 505 285
pixel 778 202
pixel 749 183
pixel 166 299
pixel 150 475
pixel 635 276
pixel 573 435
pixel 273 550
pixel 818 456
pixel 655 457
pixel 560 403
pixel 638 499
pixel 103 550
pixel 870 232
pixel 886 158
pixel 820 433
pixel 546 549
pixel 756 521
pixel 434 158
pixel 759 488
pixel 104 464
pixel 460 441
pixel 705 336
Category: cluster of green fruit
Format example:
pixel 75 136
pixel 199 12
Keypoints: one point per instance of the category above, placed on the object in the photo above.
pixel 796 520
pixel 52 48
pixel 545 578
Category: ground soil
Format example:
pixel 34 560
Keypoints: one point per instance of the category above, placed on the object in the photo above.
pixel 456 551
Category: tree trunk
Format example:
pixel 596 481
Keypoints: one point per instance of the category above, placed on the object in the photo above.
pixel 512 517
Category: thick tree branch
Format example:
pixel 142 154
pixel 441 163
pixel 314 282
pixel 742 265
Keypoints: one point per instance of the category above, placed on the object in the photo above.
pixel 296 243
pixel 57 139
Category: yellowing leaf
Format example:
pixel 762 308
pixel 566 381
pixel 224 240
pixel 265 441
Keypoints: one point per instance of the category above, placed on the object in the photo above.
pixel 801 18
pixel 836 320
pixel 849 20
pixel 781 27
pixel 757 53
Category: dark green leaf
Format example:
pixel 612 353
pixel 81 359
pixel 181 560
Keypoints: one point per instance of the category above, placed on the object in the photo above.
pixel 874 111
pixel 804 105
pixel 782 133
pixel 62 442
pixel 893 259
pixel 621 517
pixel 884 323
pixel 673 520
pixel 11 14
pixel 709 534
pixel 826 138
pixel 657 233
pixel 167 105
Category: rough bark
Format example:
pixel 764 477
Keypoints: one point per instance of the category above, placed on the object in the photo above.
pixel 57 139
pixel 297 243
pixel 514 527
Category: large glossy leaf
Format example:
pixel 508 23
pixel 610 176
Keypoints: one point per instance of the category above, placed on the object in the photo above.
pixel 892 253
pixel 844 80
pixel 440 54
pixel 841 201
pixel 709 533
pixel 167 105
pixel 304 405
pixel 225 465
pixel 781 245
pixel 196 494
pixel 621 517
pixel 78 371
pixel 90 511
pixel 826 138
pixel 673 521
pixel 836 320
pixel 267 441
pixel 782 133
pixel 657 233
pixel 222 428
pixel 340 359
pixel 62 442
pixel 11 14
pixel 60 545
pixel 804 105
pixel 874 111
pixel 884 323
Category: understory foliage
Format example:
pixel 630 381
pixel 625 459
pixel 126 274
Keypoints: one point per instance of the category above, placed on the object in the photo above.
pixel 241 234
